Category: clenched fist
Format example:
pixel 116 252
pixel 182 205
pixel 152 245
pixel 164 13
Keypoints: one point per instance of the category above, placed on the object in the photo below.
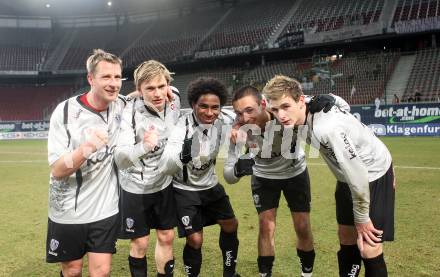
pixel 95 140
pixel 151 138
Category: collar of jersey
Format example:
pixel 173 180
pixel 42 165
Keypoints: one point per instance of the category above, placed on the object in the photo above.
pixel 92 110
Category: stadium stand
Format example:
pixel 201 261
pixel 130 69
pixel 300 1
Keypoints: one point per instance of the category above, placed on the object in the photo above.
pixel 359 78
pixel 28 102
pixel 321 16
pixel 425 76
pixel 24 49
pixel 248 24
pixel 174 37
pixel 168 39
pixel 87 38
pixel 262 74
pixel 232 77
pixel 416 9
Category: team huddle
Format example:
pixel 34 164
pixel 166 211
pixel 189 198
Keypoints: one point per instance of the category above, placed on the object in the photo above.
pixel 122 166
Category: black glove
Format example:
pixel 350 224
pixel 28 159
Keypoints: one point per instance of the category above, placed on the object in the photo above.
pixel 243 167
pixel 185 155
pixel 323 102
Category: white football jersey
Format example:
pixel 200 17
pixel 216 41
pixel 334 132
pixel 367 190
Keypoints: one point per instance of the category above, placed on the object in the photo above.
pixel 199 173
pixel 91 193
pixel 138 168
pixel 275 156
pixel 352 152
pixel 275 150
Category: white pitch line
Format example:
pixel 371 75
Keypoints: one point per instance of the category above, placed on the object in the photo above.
pixel 417 167
pixel 25 162
pixel 24 153
pixel 396 166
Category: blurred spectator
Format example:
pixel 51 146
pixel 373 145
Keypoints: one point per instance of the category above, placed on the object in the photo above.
pixel 417 96
pixel 377 102
pixel 396 99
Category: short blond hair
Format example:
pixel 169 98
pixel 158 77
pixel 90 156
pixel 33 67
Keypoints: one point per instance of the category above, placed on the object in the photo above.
pixel 148 70
pixel 282 85
pixel 98 56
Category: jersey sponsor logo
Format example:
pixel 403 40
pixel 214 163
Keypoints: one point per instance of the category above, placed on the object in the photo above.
pixel 329 152
pixel 256 198
pixel 53 246
pixel 203 167
pixel 101 155
pixel 348 146
pixel 130 223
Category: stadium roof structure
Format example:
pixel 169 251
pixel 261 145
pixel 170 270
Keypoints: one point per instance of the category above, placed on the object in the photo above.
pixel 56 8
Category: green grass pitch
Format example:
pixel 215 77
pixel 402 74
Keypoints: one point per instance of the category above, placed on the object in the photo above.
pixel 416 251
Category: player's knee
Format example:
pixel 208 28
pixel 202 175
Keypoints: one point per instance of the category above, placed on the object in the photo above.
pixel 347 235
pixel 195 240
pixel 165 237
pixel 267 226
pixel 371 251
pixel 303 230
pixel 230 225
pixel 139 246
pixel 101 271
pixel 73 271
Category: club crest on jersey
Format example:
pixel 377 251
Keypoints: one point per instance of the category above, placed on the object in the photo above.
pixel 130 223
pixel 253 145
pixel 53 246
pixel 172 106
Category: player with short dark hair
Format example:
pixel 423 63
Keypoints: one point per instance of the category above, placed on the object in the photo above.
pixel 147 200
pixel 362 165
pixel 275 166
pixel 201 201
pixel 83 195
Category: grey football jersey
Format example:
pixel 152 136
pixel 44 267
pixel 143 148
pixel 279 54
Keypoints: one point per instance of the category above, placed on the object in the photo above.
pixel 91 193
pixel 352 152
pixel 138 168
pixel 199 173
